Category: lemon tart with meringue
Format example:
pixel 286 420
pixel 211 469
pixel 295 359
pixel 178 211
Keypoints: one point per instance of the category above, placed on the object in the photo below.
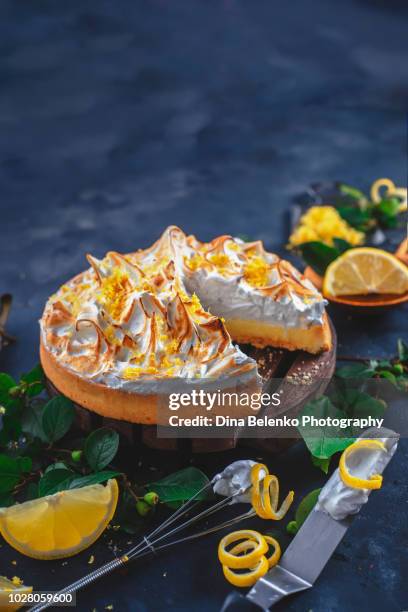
pixel 130 330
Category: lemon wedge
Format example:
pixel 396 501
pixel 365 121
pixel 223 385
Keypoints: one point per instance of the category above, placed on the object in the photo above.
pixel 62 524
pixel 365 270
pixel 11 586
pixel 375 481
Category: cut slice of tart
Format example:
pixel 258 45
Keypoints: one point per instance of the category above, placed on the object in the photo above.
pixel 263 299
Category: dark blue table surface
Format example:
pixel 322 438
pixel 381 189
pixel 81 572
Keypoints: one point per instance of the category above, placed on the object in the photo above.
pixel 118 119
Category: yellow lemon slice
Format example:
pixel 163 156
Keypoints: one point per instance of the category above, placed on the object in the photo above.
pixel 375 481
pixel 62 524
pixel 365 270
pixel 11 586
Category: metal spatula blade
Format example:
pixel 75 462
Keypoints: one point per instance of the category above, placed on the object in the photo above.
pixel 308 553
pixel 303 561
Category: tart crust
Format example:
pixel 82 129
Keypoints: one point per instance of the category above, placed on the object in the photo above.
pixel 144 409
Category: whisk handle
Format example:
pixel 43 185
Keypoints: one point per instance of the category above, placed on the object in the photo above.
pixel 85 580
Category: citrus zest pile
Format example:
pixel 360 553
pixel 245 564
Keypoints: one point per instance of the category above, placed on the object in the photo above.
pixel 60 525
pixel 265 494
pixel 375 481
pixel 324 223
pixel 249 553
pixel 257 271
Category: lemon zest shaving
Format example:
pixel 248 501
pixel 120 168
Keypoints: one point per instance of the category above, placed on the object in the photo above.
pixel 375 480
pixel 265 494
pixel 114 290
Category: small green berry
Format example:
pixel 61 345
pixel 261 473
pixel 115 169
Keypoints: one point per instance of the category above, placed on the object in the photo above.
pixel 292 527
pixel 151 498
pixel 142 508
pixel 398 369
pixel 76 455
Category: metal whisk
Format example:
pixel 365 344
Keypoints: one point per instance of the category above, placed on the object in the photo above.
pixel 156 540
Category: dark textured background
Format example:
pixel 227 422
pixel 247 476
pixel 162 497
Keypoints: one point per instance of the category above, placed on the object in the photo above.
pixel 119 118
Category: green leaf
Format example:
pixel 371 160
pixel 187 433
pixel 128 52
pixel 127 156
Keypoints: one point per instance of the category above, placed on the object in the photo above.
pixel 58 465
pixel 403 383
pixel 341 245
pixel 31 421
pixel 101 447
pixel 10 473
pixel 54 481
pixel 321 440
pixel 31 491
pixel 359 405
pixel 83 481
pixel 6 500
pixel 10 429
pixel 25 464
pixel 306 506
pixel 318 255
pixel 323 464
pixel 402 351
pixel 57 418
pixel 387 212
pixel 389 376
pixel 180 486
pixel 6 383
pixel 356 217
pixel 35 380
pixel 355 370
pixel 352 192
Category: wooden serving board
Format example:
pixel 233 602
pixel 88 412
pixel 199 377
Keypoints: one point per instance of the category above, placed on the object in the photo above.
pixel 290 366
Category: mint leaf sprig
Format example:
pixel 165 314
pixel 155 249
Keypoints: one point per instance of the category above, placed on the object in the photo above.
pixel 395 369
pixel 360 212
